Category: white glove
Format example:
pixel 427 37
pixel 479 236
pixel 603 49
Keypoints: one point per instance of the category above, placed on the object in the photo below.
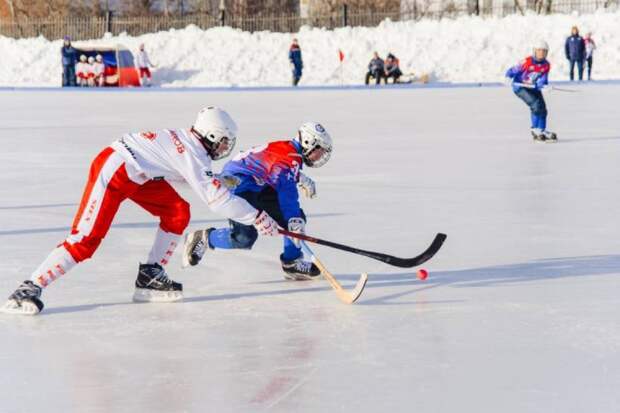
pixel 297 225
pixel 265 225
pixel 307 186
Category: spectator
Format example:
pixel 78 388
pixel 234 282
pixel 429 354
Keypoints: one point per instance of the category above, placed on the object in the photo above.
pixel 69 59
pixel 98 69
pixel 82 69
pixel 574 48
pixel 392 69
pixel 143 65
pixel 375 69
pixel 294 56
pixel 590 47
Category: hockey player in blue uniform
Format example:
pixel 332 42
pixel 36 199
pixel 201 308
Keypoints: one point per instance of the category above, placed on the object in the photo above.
pixel 268 178
pixel 528 79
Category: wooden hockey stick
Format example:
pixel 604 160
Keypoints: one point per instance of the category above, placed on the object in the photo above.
pixel 344 295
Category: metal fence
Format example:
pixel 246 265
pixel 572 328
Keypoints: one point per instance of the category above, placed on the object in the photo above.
pixel 96 27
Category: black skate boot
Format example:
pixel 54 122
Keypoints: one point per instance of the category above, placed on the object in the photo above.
pixel 196 244
pixel 153 285
pixel 538 135
pixel 299 270
pixel 25 300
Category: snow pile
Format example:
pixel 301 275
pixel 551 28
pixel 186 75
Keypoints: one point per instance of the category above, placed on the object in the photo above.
pixel 467 49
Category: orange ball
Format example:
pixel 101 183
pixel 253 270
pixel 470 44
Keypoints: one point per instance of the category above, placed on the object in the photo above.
pixel 422 274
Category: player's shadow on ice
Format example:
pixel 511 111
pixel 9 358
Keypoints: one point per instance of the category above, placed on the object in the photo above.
pixel 596 139
pixel 543 269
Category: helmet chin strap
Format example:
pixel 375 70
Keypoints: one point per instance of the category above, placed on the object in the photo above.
pixel 205 143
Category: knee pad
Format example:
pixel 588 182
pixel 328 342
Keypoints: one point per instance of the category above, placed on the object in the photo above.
pixel 243 237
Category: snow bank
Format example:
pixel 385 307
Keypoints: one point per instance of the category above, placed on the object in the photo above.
pixel 467 49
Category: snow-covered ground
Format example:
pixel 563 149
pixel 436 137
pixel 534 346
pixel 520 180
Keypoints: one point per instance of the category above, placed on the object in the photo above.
pixel 519 313
pixel 467 49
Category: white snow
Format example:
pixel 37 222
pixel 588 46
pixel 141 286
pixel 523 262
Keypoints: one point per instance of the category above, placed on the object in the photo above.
pixel 466 49
pixel 519 313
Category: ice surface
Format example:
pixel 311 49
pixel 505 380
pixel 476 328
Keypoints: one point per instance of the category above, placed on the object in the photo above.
pixel 519 313
pixel 466 49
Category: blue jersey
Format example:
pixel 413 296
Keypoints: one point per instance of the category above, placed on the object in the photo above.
pixel 530 71
pixel 277 165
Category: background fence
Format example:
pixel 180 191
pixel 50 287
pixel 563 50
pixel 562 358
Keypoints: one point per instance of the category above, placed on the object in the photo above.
pixel 96 27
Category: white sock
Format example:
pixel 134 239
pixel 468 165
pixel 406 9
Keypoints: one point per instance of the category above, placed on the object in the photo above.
pixel 163 247
pixel 58 263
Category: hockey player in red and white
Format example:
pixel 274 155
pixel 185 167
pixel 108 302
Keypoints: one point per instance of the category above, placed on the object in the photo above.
pixel 82 69
pixel 98 69
pixel 139 167
pixel 144 63
pixel 91 71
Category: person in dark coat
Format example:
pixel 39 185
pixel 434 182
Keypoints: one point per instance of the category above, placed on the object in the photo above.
pixel 294 56
pixel 392 69
pixel 375 69
pixel 575 50
pixel 69 59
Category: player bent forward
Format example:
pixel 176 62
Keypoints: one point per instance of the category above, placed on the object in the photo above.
pixel 267 177
pixel 138 167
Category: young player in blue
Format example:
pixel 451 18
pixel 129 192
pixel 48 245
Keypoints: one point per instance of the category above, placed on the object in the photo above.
pixel 267 177
pixel 528 79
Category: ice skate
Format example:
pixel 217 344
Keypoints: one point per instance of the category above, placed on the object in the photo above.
pixel 538 135
pixel 550 137
pixel 300 270
pixel 153 285
pixel 25 300
pixel 195 246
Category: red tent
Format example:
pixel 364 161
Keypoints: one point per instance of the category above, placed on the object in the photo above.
pixel 120 69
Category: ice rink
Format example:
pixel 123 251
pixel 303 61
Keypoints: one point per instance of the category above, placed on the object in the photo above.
pixel 520 313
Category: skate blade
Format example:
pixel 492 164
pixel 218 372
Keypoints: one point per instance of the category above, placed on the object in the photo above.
pixel 11 307
pixel 292 277
pixel 142 295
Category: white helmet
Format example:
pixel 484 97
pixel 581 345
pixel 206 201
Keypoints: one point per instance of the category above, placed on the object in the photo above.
pixel 541 45
pixel 83 58
pixel 211 127
pixel 311 136
pixel 91 60
pixel 99 58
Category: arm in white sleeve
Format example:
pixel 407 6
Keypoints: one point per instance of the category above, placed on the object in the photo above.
pixel 214 193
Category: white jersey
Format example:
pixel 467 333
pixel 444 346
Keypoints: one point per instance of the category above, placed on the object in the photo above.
pixel 142 59
pixel 83 68
pixel 98 68
pixel 176 155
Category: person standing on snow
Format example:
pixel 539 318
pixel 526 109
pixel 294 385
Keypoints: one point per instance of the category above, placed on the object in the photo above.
pixel 144 63
pixel 590 47
pixel 575 51
pixel 69 59
pixel 297 65
pixel 139 167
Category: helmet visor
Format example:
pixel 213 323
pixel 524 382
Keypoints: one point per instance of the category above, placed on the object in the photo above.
pixel 317 157
pixel 223 147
